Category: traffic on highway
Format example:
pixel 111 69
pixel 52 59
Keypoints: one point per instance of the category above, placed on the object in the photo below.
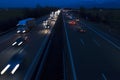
pixel 92 54
pixel 59 46
pixel 22 48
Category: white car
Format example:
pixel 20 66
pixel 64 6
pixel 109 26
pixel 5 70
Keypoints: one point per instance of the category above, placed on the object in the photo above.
pixel 46 25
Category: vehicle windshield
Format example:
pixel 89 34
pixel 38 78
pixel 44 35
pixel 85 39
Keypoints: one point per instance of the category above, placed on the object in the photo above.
pixel 21 26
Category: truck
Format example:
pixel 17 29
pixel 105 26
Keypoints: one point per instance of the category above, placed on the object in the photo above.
pixel 25 25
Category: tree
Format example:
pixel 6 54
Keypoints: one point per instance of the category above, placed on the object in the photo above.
pixel 82 12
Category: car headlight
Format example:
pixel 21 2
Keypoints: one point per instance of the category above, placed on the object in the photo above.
pixel 18 31
pixel 14 43
pixel 24 31
pixel 20 43
pixel 48 26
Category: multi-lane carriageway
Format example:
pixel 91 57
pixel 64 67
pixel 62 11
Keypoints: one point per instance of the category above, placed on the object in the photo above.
pixel 19 63
pixel 61 53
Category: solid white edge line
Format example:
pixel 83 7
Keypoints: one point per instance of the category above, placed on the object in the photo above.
pixel 95 41
pixel 103 37
pixel 5 69
pixel 70 52
pixel 103 75
pixel 82 42
pixel 14 70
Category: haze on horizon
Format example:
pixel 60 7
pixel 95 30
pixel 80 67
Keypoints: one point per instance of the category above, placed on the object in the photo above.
pixel 59 3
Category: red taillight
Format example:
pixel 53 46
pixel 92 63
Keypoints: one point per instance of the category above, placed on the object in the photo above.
pixel 81 30
pixel 72 22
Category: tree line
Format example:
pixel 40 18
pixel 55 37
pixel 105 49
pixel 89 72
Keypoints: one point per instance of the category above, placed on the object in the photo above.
pixel 36 12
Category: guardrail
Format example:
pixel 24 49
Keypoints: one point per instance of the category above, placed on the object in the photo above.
pixel 39 59
pixel 69 64
pixel 45 52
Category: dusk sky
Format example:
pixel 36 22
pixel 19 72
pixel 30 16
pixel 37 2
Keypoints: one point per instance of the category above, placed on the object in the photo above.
pixel 59 3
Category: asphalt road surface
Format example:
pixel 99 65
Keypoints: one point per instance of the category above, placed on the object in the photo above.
pixel 23 57
pixel 68 55
pixel 93 56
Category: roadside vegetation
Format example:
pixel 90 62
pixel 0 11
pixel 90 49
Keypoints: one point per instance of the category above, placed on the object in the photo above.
pixel 10 17
pixel 105 19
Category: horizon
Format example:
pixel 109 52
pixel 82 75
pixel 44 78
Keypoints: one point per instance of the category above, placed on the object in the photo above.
pixel 64 4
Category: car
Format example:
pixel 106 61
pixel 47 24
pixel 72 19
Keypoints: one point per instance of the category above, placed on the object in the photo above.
pixel 69 17
pixel 81 30
pixel 19 41
pixel 22 29
pixel 72 22
pixel 46 24
pixel 77 20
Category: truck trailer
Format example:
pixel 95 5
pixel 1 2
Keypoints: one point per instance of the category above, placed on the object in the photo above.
pixel 25 25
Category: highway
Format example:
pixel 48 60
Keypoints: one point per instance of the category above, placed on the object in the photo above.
pixel 51 66
pixel 60 53
pixel 93 56
pixel 25 56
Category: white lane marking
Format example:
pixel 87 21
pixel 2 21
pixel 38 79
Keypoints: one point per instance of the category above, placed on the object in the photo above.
pixel 95 41
pixel 70 52
pixel 21 51
pixel 105 38
pixel 104 77
pixel 14 70
pixel 81 40
pixel 5 69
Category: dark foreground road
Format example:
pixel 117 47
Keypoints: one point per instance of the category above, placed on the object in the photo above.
pixel 52 68
pixel 63 53
pixel 26 55
pixel 93 56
